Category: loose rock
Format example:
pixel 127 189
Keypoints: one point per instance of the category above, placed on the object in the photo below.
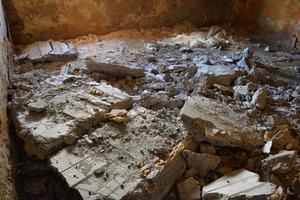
pixel 280 163
pixel 215 122
pixel 48 51
pixel 38 106
pixel 202 163
pixel 220 74
pixel 259 98
pixel 285 139
pixel 189 189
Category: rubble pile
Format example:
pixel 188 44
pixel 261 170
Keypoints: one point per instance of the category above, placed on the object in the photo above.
pixel 195 116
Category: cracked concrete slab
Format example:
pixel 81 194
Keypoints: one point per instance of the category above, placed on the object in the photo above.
pixel 107 163
pixel 107 147
pixel 213 121
pixel 67 113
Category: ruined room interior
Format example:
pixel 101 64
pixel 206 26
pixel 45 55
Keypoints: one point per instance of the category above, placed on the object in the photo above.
pixel 150 100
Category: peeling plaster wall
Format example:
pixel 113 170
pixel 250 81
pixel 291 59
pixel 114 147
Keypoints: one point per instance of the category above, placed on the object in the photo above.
pixel 33 20
pixel 277 16
pixel 7 189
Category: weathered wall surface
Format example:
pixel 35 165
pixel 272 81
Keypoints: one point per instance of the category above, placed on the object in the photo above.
pixel 281 16
pixel 32 20
pixel 7 189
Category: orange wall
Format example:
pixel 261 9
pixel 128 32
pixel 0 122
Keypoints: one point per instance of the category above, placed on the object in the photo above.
pixel 32 20
pixel 281 16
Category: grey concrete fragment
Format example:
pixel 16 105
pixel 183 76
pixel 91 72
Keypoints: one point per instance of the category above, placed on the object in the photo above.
pixel 38 106
pixel 200 60
pixel 97 174
pixel 42 137
pixel 240 184
pixel 220 74
pixel 49 51
pixel 241 90
pixel 260 98
pixel 116 98
pixel 114 69
pixel 212 121
pixel 267 147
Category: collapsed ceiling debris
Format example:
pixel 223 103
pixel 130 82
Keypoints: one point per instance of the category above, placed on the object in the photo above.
pixel 205 115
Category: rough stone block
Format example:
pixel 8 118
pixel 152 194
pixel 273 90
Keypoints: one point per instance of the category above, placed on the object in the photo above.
pixel 280 163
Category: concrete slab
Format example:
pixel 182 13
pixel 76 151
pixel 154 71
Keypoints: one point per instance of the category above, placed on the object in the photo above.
pixel 114 69
pixel 240 184
pixel 209 120
pixel 48 51
pixel 109 162
pixel 67 113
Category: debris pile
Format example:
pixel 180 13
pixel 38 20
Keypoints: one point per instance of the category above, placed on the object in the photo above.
pixel 198 116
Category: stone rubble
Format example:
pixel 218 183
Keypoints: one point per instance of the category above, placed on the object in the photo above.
pixel 78 112
pixel 195 116
pixel 259 98
pixel 48 51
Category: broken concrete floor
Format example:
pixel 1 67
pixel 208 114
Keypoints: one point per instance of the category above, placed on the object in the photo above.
pixel 157 114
